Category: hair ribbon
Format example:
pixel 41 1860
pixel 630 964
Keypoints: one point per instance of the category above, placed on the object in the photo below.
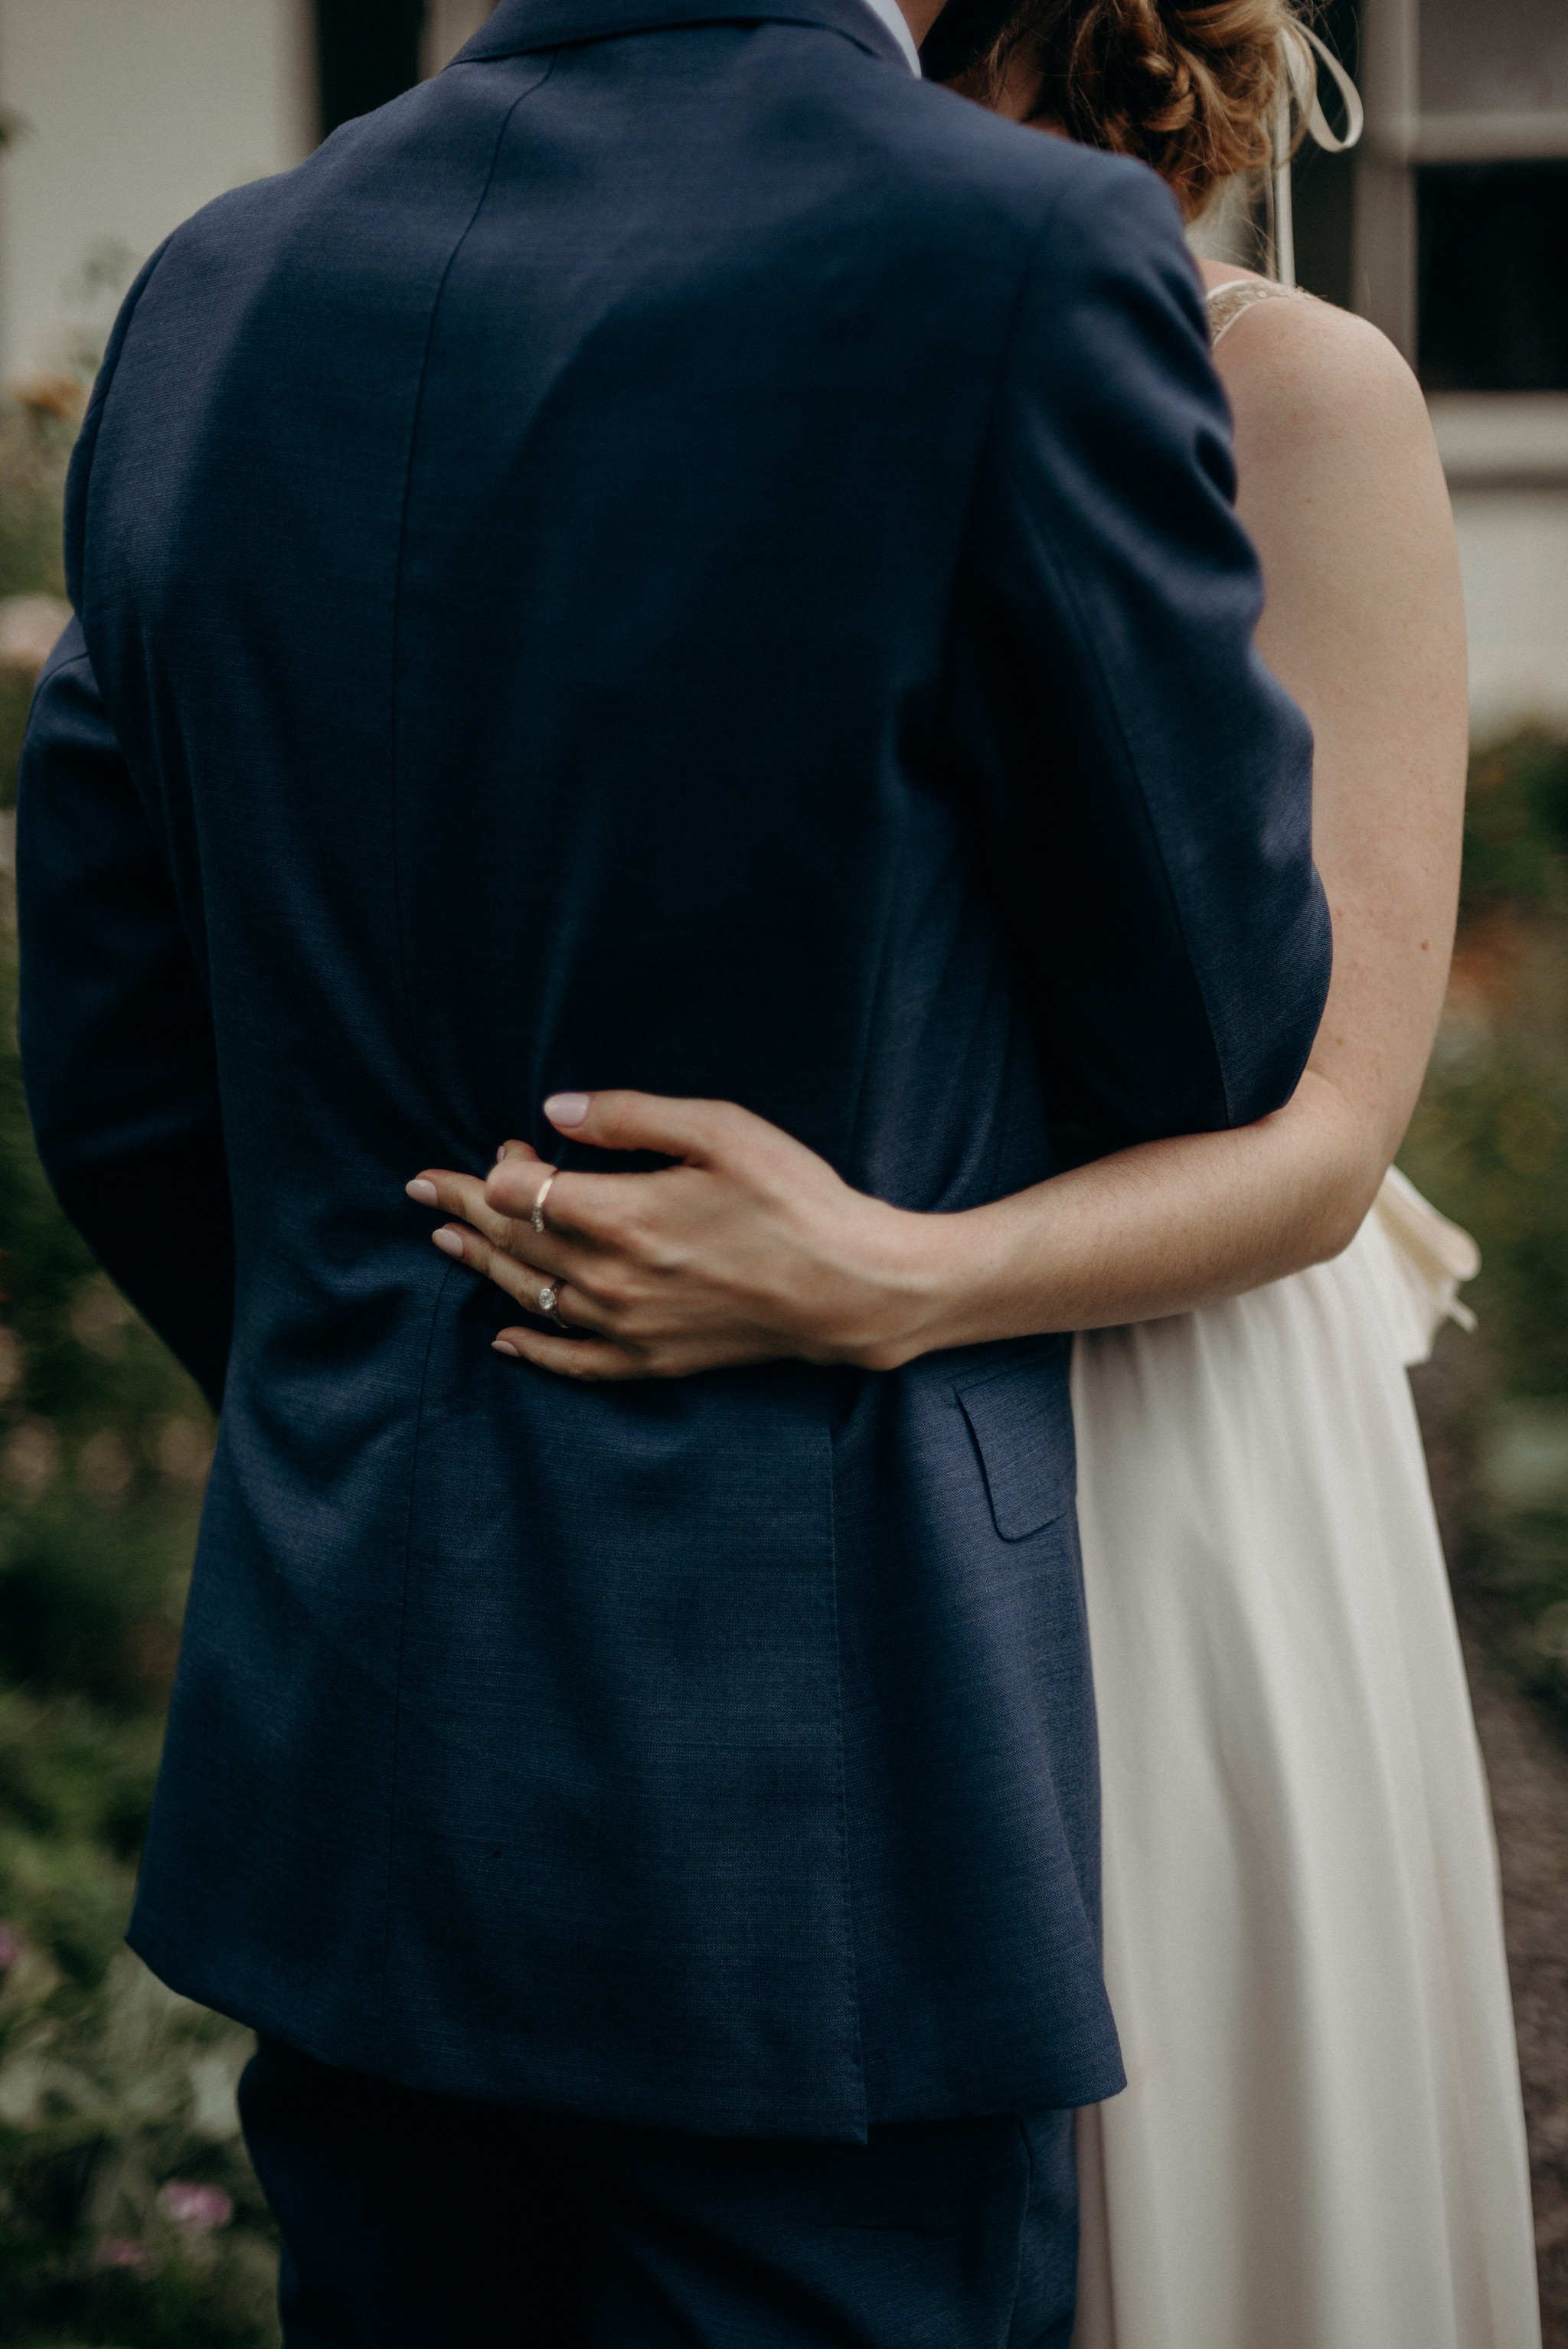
pixel 1304 56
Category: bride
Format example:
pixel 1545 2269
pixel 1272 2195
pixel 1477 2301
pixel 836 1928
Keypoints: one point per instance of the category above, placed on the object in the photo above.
pixel 1321 2146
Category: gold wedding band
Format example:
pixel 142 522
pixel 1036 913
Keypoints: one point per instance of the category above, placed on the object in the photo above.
pixel 537 1218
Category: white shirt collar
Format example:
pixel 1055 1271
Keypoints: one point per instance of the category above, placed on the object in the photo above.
pixel 890 14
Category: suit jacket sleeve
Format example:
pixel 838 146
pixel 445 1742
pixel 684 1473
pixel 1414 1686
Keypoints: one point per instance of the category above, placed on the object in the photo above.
pixel 118 1048
pixel 1144 785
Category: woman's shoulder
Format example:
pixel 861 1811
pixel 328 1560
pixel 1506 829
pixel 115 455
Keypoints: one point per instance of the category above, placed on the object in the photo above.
pixel 1301 365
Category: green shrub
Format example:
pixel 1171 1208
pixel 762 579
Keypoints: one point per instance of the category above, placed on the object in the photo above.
pixel 1490 1142
pixel 1516 825
pixel 117 2102
pixel 1489 1145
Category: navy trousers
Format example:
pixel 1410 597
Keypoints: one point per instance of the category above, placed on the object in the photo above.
pixel 421 2219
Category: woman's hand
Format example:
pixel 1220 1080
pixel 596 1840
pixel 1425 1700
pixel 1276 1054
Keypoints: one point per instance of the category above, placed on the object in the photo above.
pixel 747 1249
pixel 750 1249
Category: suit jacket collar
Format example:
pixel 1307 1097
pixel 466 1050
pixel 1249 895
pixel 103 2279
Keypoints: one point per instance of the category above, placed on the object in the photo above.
pixel 522 24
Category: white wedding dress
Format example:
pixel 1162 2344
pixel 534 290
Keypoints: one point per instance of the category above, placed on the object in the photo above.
pixel 1321 2146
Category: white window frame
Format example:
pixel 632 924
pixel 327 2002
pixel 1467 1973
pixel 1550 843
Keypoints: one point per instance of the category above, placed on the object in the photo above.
pixel 1398 137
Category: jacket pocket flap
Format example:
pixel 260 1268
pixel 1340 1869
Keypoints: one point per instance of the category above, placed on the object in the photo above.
pixel 1021 1420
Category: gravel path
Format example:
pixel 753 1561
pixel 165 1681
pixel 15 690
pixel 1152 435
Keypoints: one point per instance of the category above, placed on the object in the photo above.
pixel 1528 1767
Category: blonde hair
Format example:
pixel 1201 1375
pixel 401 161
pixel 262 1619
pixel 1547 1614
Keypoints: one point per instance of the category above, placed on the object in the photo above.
pixel 1194 90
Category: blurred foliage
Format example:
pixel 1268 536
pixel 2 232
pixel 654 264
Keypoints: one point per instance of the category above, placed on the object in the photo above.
pixel 1489 1145
pixel 35 440
pixel 129 2214
pixel 1488 1141
pixel 1516 827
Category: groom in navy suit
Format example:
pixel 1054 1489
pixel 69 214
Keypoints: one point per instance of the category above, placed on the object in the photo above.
pixel 678 555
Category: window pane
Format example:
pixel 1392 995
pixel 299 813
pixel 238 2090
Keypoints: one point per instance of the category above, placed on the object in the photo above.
pixel 368 52
pixel 1493 276
pixel 1507 57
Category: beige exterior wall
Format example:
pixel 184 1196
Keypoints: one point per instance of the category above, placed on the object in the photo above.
pixel 1507 463
pixel 138 112
pixel 1514 553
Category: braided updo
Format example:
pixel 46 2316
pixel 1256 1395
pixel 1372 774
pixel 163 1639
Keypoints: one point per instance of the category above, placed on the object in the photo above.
pixel 1192 89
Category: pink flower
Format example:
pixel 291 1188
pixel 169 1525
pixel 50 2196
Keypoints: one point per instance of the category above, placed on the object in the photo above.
pixel 202 2208
pixel 11 1949
pixel 120 2252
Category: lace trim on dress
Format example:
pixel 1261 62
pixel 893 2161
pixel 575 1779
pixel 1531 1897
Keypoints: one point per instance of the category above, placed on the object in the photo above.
pixel 1227 302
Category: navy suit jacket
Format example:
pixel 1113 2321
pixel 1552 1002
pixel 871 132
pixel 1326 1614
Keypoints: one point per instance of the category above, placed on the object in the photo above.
pixel 674 556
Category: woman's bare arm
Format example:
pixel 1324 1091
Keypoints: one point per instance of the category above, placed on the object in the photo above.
pixel 753 1247
pixel 1341 489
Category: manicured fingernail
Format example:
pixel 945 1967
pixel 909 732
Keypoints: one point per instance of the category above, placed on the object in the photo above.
pixel 566 1109
pixel 499 1346
pixel 448 1242
pixel 423 1194
pixel 501 1153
